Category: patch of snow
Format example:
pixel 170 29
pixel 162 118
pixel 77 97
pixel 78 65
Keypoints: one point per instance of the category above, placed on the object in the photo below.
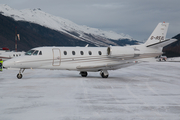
pixel 144 91
pixel 173 59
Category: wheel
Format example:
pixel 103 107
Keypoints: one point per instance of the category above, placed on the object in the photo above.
pixel 19 76
pixel 84 74
pixel 104 76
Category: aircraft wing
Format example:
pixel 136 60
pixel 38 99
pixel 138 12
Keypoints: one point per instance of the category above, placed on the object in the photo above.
pixel 109 66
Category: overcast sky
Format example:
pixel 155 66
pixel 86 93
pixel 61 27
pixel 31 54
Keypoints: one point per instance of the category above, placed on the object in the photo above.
pixel 137 18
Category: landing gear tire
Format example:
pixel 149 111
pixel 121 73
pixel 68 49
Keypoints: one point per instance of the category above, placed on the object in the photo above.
pixel 19 76
pixel 104 74
pixel 83 74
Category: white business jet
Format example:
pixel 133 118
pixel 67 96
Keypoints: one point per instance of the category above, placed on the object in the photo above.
pixel 91 59
pixel 6 55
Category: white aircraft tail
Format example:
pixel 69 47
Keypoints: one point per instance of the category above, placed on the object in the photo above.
pixel 158 36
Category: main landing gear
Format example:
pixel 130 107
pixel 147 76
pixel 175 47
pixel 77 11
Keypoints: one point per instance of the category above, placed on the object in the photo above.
pixel 19 75
pixel 103 73
pixel 83 74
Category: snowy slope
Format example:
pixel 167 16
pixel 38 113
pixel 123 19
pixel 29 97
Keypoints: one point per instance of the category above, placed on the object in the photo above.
pixel 57 23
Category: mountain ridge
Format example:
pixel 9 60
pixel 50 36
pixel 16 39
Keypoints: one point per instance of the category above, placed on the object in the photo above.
pixel 173 49
pixel 53 31
pixel 32 35
pixel 57 23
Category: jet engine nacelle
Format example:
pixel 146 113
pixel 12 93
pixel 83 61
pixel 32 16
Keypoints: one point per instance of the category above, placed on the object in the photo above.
pixel 116 51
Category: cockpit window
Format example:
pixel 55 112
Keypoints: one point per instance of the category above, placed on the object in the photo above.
pixel 36 52
pixel 30 52
pixel 40 53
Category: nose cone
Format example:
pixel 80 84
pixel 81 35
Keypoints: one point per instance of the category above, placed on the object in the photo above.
pixel 8 63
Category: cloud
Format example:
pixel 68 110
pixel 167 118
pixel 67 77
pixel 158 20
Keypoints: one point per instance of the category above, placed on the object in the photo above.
pixel 106 6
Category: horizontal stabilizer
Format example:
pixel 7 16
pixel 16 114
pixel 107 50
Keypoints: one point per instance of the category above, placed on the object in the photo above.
pixel 162 43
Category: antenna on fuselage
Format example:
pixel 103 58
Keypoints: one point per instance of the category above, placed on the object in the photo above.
pixel 87 45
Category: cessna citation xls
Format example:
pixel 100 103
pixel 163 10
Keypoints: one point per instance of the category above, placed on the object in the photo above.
pixel 91 59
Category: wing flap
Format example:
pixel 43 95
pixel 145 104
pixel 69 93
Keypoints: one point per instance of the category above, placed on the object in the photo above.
pixel 109 66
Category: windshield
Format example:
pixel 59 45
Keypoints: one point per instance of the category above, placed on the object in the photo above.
pixel 30 52
pixel 36 52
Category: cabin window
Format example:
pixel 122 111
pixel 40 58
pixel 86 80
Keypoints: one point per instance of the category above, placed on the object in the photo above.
pixel 19 54
pixel 81 52
pixel 73 52
pixel 40 53
pixel 65 52
pixel 14 55
pixel 90 53
pixel 36 52
pixel 30 52
pixel 100 53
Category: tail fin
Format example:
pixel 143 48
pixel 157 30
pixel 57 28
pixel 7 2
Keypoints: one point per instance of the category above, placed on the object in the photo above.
pixel 158 35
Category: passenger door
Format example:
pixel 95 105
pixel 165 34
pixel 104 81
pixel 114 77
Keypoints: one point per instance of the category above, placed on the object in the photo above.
pixel 56 57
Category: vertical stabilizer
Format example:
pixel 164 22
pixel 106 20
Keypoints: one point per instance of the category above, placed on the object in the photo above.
pixel 158 35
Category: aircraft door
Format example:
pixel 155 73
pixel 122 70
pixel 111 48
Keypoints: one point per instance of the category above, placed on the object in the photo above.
pixel 56 57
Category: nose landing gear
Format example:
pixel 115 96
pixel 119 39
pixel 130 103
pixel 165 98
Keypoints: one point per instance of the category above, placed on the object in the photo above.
pixel 19 75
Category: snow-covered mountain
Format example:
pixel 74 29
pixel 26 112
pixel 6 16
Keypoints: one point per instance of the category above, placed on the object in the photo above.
pixel 83 33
